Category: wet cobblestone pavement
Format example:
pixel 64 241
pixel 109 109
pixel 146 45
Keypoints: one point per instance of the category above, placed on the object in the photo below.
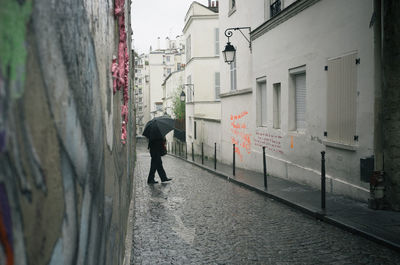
pixel 199 218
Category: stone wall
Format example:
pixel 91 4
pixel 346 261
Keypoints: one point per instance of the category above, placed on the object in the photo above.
pixel 391 99
pixel 66 166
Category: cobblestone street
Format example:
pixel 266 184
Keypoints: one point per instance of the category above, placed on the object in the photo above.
pixel 199 218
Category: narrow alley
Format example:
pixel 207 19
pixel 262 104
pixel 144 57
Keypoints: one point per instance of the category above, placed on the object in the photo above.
pixel 199 218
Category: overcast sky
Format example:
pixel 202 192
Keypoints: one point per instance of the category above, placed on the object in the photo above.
pixel 157 18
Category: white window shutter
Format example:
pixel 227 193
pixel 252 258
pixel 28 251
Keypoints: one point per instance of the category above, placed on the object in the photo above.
pixel 300 86
pixel 341 99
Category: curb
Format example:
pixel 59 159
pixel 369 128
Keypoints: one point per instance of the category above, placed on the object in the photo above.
pixel 319 215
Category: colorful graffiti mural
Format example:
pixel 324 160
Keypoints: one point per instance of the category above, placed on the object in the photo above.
pixel 6 236
pixel 120 70
pixel 240 137
pixel 54 205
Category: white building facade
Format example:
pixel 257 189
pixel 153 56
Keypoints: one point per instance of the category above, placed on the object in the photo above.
pixel 172 87
pixel 202 78
pixel 307 85
pixel 142 99
pixel 162 62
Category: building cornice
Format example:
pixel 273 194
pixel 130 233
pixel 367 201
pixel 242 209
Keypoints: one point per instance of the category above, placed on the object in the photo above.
pixel 284 15
pixel 202 58
pixel 197 17
pixel 207 119
pixel 207 102
pixel 236 93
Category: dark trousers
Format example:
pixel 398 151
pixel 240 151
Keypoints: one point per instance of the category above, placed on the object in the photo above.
pixel 156 165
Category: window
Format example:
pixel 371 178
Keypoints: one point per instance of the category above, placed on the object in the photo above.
pixel 232 7
pixel 168 58
pixel 217 85
pixel 188 48
pixel 178 66
pixel 297 99
pixel 140 108
pixel 262 102
pixel 341 99
pixel 190 126
pixel 267 4
pixel 233 75
pixel 300 87
pixel 189 94
pixel 232 4
pixel 168 71
pixel 140 91
pixel 140 99
pixel 277 105
pixel 216 41
pixel 275 7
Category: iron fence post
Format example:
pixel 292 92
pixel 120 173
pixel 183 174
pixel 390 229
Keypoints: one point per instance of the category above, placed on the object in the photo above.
pixel 265 168
pixel 215 156
pixel 192 152
pixel 233 165
pixel 202 154
pixel 323 180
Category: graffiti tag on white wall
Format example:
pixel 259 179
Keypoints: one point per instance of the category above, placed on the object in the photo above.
pixel 270 141
pixel 240 137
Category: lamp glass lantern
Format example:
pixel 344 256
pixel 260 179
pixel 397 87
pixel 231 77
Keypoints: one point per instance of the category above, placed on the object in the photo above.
pixel 229 53
pixel 182 97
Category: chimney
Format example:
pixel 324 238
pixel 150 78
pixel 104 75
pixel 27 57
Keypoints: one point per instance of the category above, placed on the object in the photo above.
pixel 217 3
pixel 209 3
pixel 158 43
pixel 212 3
pixel 167 43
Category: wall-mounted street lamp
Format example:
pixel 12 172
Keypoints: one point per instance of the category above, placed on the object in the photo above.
pixel 230 51
pixel 182 96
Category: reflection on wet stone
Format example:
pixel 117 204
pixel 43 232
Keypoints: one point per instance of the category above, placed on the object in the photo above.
pixel 199 218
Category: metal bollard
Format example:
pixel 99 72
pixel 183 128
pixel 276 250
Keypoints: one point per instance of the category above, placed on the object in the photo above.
pixel 192 152
pixel 233 165
pixel 186 149
pixel 202 154
pixel 175 148
pixel 265 169
pixel 180 149
pixel 323 180
pixel 215 156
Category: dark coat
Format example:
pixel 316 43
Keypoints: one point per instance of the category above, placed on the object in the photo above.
pixel 156 147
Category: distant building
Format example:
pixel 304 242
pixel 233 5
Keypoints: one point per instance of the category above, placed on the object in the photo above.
pixel 141 90
pixel 202 77
pixel 162 62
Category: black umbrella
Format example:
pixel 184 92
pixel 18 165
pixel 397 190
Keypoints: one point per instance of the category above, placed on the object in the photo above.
pixel 158 127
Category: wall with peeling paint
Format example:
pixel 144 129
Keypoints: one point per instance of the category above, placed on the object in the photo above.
pixel 66 145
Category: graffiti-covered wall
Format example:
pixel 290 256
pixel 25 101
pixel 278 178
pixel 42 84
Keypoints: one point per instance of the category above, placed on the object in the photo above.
pixel 66 146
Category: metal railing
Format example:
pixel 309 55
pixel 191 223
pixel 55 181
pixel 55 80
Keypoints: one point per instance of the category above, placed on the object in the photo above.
pixel 179 148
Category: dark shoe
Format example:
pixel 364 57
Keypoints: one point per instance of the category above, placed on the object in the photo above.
pixel 164 180
pixel 152 182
